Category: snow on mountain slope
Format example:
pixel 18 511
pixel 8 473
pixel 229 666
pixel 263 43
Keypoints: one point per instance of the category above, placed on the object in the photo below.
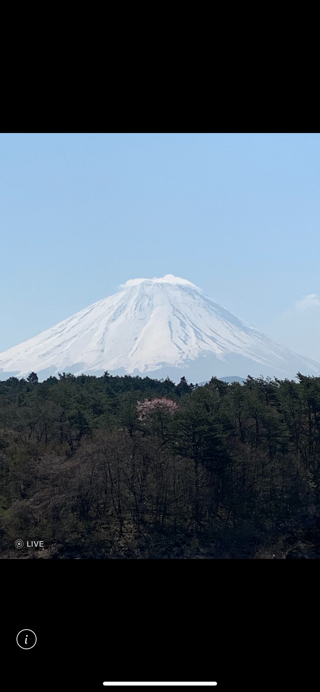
pixel 153 326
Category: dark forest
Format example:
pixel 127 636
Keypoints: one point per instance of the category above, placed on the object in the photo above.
pixel 136 468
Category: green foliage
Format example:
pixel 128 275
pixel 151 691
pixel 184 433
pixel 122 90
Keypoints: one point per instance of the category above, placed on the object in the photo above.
pixel 220 465
pixel 33 377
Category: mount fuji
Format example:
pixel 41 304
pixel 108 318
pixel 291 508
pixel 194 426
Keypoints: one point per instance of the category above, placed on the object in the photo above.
pixel 157 327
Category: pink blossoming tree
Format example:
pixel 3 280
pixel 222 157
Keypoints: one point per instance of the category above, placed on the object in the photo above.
pixel 148 406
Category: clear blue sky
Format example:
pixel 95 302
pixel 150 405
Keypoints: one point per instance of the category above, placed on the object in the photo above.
pixel 236 214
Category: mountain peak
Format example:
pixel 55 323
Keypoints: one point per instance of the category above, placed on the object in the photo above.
pixel 167 279
pixel 166 326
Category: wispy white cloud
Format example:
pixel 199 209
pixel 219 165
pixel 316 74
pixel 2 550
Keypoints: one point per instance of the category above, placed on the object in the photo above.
pixel 307 302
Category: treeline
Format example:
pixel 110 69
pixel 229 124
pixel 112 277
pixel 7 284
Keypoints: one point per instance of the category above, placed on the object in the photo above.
pixel 130 467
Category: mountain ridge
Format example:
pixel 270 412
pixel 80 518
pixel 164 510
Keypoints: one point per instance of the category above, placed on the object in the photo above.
pixel 165 326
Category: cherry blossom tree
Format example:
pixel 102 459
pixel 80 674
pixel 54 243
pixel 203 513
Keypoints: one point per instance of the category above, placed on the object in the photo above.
pixel 149 406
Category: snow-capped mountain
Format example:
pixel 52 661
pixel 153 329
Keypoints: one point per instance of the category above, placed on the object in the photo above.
pixel 157 327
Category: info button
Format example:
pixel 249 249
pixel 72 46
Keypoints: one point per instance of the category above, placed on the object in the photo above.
pixel 26 639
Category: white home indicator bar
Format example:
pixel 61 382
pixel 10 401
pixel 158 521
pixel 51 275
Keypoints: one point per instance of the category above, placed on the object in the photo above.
pixel 159 684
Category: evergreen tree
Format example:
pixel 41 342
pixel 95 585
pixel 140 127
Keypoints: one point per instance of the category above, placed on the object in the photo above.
pixel 33 377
